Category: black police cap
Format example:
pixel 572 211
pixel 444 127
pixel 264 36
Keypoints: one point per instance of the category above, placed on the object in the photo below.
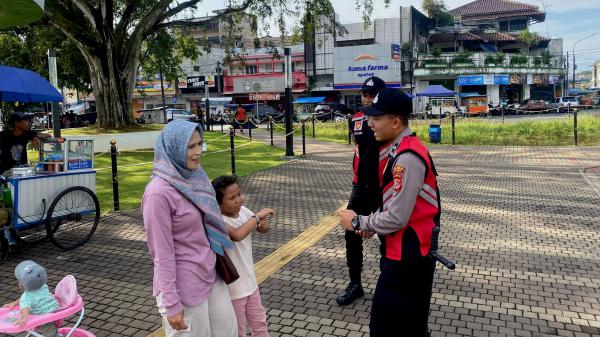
pixel 373 85
pixel 390 101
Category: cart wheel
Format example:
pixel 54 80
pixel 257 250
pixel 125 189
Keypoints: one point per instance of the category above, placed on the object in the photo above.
pixel 73 217
pixel 3 247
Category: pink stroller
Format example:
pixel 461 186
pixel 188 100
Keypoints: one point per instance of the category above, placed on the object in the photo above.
pixel 69 302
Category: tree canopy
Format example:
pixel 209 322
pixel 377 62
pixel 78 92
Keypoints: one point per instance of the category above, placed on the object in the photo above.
pixel 438 12
pixel 111 35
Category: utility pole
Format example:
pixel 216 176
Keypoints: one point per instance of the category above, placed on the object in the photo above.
pixel 53 74
pixel 574 66
pixel 162 90
pixel 289 136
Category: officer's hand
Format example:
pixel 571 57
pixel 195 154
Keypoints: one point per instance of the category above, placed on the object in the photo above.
pixel 365 234
pixel 263 226
pixel 346 216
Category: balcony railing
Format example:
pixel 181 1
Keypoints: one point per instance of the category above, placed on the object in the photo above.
pixel 489 60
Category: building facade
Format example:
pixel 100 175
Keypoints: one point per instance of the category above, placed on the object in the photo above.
pixel 595 83
pixel 185 93
pixel 484 54
pixel 385 49
pixel 260 76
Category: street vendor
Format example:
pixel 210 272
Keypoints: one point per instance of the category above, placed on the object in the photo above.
pixel 13 141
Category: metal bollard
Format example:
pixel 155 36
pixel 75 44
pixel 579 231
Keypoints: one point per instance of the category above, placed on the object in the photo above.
pixel 575 126
pixel 271 133
pixel 349 129
pixel 303 137
pixel 232 148
pixel 313 125
pixel 249 123
pixel 222 126
pixel 453 129
pixel 115 179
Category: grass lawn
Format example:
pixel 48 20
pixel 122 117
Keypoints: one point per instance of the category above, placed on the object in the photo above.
pixel 92 130
pixel 135 167
pixel 558 132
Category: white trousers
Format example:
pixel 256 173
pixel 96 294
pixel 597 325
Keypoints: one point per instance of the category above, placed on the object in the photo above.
pixel 213 318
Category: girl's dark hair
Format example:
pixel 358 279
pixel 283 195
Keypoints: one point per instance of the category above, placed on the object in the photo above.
pixel 220 183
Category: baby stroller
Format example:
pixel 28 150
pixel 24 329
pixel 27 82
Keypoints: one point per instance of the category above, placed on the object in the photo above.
pixel 69 303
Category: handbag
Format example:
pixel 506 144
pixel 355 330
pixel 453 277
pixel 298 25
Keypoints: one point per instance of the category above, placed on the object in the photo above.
pixel 226 269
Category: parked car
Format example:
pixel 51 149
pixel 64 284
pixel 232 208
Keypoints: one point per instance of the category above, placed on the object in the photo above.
pixel 173 114
pixel 562 103
pixel 532 105
pixel 265 111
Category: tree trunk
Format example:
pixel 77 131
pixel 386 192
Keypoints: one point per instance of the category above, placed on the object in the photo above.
pixel 113 86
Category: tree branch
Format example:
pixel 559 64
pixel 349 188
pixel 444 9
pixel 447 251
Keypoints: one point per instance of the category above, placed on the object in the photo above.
pixel 190 3
pixel 66 21
pixel 86 10
pixel 121 28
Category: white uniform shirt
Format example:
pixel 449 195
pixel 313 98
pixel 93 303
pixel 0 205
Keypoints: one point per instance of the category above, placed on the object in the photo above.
pixel 241 256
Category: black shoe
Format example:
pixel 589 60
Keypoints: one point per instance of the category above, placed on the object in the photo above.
pixel 352 292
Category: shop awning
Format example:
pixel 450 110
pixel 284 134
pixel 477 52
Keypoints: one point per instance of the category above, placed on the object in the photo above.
pixel 470 94
pixel 436 91
pixel 309 100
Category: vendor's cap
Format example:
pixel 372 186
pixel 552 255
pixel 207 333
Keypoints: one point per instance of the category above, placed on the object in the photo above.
pixel 390 101
pixel 373 85
pixel 30 275
pixel 16 117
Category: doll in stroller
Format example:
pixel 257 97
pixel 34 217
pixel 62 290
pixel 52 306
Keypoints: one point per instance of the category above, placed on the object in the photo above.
pixel 39 313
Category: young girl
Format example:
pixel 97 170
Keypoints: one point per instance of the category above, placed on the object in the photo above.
pixel 36 298
pixel 240 223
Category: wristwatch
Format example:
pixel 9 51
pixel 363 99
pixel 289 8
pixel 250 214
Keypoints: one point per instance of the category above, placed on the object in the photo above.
pixel 355 223
pixel 257 219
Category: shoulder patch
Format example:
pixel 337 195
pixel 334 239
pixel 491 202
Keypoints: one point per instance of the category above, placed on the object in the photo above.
pixel 398 175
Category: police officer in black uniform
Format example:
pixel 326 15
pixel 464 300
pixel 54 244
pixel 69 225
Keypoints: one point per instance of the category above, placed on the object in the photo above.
pixel 366 195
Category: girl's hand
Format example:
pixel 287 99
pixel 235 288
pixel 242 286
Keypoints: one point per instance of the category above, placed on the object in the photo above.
pixel 263 226
pixel 21 321
pixel 263 213
pixel 176 322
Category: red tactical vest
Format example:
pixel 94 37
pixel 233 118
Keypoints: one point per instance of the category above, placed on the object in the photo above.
pixel 426 210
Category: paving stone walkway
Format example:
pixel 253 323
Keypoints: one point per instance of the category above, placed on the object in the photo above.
pixel 520 222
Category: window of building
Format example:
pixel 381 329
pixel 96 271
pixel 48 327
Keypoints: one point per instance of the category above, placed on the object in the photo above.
pixel 278 67
pixel 520 24
pixel 251 69
pixel 349 43
pixel 214 40
pixel 196 68
pixel 504 26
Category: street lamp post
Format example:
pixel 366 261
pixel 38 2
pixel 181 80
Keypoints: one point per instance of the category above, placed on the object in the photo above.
pixel 289 137
pixel 574 67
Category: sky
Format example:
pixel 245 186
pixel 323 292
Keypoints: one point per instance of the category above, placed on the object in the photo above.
pixel 570 20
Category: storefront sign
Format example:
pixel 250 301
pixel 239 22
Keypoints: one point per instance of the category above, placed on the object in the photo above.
pixel 79 164
pixel 483 80
pixel 200 81
pixel 261 85
pixel 396 52
pixel 152 86
pixel 354 64
pixel 264 97
pixel 538 79
pixel 516 79
pixel 501 79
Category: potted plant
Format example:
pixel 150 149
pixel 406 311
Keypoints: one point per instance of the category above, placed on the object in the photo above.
pixel 437 61
pixel 518 60
pixel 462 58
pixel 537 61
pixel 490 60
pixel 499 59
pixel 546 58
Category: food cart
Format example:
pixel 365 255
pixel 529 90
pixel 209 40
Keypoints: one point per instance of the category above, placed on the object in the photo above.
pixel 475 104
pixel 56 199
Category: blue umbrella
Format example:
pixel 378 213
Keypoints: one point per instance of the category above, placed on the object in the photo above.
pixel 26 86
